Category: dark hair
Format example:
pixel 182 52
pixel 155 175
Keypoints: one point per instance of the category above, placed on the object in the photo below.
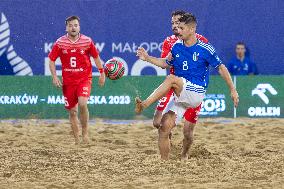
pixel 241 43
pixel 178 13
pixel 188 18
pixel 70 18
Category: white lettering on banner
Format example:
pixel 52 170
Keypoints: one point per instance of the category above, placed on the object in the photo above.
pixel 55 100
pixel 132 47
pixel 59 99
pixel 100 46
pixel 260 91
pixel 47 47
pixel 264 111
pixel 213 104
pixel 109 100
pixel 19 99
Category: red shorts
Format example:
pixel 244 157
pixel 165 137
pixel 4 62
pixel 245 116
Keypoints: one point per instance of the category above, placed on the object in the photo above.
pixel 163 102
pixel 71 93
pixel 190 115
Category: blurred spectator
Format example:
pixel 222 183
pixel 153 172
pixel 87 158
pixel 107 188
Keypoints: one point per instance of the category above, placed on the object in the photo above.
pixel 241 63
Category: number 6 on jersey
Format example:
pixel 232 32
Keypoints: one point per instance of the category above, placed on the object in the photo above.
pixel 73 62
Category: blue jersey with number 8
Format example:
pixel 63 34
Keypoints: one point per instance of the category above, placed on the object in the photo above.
pixel 192 63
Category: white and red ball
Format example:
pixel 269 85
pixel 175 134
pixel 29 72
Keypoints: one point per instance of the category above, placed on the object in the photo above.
pixel 114 69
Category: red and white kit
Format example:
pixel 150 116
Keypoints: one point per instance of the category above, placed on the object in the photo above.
pixel 76 66
pixel 191 114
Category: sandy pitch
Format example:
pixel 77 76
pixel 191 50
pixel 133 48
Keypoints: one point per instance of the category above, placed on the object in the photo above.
pixel 227 153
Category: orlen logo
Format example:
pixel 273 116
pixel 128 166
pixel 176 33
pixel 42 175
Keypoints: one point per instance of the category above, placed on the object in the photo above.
pixel 261 91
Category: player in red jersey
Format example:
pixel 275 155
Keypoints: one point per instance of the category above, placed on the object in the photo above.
pixel 74 51
pixel 191 114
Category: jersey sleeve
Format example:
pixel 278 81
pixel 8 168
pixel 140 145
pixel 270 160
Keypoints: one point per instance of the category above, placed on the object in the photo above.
pixel 54 53
pixel 213 59
pixel 165 49
pixel 93 50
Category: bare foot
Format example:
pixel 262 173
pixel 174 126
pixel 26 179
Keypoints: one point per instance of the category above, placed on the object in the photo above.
pixel 86 139
pixel 77 140
pixel 184 157
pixel 138 105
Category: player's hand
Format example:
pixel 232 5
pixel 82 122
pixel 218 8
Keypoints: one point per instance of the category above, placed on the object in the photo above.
pixel 170 57
pixel 102 80
pixel 235 97
pixel 56 82
pixel 142 53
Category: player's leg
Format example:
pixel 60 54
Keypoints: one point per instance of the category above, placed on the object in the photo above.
pixel 167 124
pixel 73 118
pixel 71 101
pixel 191 117
pixel 188 139
pixel 170 82
pixel 157 118
pixel 84 117
pixel 83 92
pixel 162 104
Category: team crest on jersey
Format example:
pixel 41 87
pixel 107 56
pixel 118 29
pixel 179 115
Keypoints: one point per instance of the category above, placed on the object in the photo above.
pixel 64 51
pixel 195 56
pixel 177 55
pixel 82 51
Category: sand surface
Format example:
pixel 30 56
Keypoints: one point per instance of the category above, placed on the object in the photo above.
pixel 227 153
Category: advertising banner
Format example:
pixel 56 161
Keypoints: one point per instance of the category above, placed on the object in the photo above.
pixel 29 28
pixel 261 96
pixel 36 97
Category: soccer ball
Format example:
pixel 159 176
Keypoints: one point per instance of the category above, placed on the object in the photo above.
pixel 114 69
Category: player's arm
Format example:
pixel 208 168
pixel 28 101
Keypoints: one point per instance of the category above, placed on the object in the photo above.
pixel 53 55
pixel 160 62
pixel 95 54
pixel 223 71
pixel 55 80
pixel 99 65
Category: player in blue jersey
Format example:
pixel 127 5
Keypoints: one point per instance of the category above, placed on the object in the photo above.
pixel 191 59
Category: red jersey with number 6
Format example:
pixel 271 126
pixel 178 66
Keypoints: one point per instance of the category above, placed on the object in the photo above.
pixel 170 41
pixel 75 58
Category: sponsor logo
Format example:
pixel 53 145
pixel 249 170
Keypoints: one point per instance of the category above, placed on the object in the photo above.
pixel 19 66
pixel 261 91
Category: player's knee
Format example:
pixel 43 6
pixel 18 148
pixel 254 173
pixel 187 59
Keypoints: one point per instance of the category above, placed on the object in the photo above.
pixel 82 105
pixel 156 123
pixel 73 113
pixel 167 123
pixel 170 78
pixel 164 131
